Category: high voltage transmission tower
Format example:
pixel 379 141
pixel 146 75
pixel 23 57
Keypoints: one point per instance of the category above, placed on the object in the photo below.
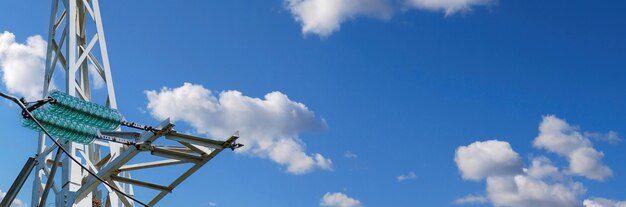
pixel 85 139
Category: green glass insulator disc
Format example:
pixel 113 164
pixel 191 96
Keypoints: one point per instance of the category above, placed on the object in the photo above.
pixel 84 112
pixel 62 127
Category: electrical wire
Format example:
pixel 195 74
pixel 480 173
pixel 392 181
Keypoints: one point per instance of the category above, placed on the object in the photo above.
pixel 30 115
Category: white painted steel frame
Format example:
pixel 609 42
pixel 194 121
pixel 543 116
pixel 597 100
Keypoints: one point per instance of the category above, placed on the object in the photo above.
pixel 73 52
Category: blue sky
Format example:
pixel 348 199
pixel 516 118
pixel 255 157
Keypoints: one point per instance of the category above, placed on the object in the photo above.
pixel 401 85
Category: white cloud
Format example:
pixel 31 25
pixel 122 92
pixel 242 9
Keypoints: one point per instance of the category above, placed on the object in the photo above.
pixel 603 202
pixel 22 65
pixel 212 204
pixel 471 199
pixel 449 7
pixel 523 190
pixel 489 158
pixel 323 17
pixel 587 162
pixel 408 176
pixel 556 135
pixel 16 202
pixel 339 200
pixel 350 154
pixel 542 167
pixel 542 184
pixel 269 127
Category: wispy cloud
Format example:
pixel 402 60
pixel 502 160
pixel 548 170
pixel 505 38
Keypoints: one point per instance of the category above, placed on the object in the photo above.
pixel 449 7
pixel 408 176
pixel 141 110
pixel 610 137
pixel 96 80
pixel 269 126
pixel 350 154
pixel 471 199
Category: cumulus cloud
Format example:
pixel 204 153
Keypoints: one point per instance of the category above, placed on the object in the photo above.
pixel 471 199
pixel 269 126
pixel 408 176
pixel 523 190
pixel 489 158
pixel 339 200
pixel 449 7
pixel 603 202
pixel 508 184
pixel 22 65
pixel 542 183
pixel 323 17
pixel 542 167
pixel 16 202
pixel 556 135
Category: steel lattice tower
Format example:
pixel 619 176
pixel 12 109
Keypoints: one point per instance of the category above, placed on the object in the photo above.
pixel 77 47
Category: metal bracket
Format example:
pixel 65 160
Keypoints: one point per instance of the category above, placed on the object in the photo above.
pixel 35 105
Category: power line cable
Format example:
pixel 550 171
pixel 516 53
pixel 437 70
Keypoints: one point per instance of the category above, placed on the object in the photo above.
pixel 30 115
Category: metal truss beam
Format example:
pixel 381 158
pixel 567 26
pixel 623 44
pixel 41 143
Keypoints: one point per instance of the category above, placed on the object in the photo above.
pixel 140 183
pixel 179 155
pixel 147 165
